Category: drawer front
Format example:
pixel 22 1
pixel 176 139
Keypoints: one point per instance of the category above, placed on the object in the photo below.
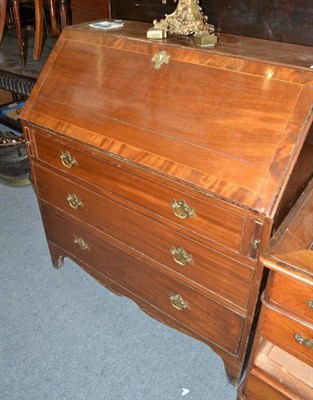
pixel 212 271
pixel 198 312
pixel 288 334
pixel 208 220
pixel 292 295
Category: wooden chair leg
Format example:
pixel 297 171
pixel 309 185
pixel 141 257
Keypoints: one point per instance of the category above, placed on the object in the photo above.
pixel 38 29
pixel 54 27
pixel 3 7
pixel 65 13
pixel 17 23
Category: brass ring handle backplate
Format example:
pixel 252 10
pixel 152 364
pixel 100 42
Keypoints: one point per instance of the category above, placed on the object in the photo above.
pixel 178 302
pixel 67 160
pixel 180 256
pixel 81 243
pixel 303 341
pixel 74 201
pixel 182 210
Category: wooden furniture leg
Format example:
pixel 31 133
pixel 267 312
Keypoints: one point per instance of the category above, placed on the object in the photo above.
pixel 38 29
pixel 17 22
pixel 64 13
pixel 3 7
pixel 54 27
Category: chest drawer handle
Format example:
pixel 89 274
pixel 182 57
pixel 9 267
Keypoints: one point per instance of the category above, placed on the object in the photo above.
pixel 182 210
pixel 310 303
pixel 74 201
pixel 67 160
pixel 178 302
pixel 180 256
pixel 304 341
pixel 81 243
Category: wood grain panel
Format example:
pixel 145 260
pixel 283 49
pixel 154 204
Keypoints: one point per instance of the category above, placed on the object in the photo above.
pixel 91 10
pixel 208 318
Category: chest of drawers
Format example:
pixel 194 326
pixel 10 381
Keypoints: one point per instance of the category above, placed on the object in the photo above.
pixel 165 181
pixel 281 363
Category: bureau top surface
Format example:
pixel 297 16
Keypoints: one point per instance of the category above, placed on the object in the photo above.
pixel 228 121
pixel 290 250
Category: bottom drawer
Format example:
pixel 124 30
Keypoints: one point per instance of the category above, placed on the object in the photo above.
pixel 260 387
pixel 190 308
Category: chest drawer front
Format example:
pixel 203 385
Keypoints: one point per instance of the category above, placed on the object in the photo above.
pixel 211 270
pixel 206 317
pixel 288 334
pixel 293 295
pixel 208 220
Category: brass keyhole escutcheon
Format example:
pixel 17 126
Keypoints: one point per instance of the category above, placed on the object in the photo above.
pixel 81 243
pixel 178 302
pixel 180 256
pixel 182 210
pixel 160 58
pixel 310 303
pixel 67 160
pixel 74 201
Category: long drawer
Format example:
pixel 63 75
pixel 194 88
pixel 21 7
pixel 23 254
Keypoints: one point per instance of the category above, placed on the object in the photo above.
pixel 189 213
pixel 208 318
pixel 212 271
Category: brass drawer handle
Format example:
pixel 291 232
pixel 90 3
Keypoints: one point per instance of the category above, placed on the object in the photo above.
pixel 67 160
pixel 182 210
pixel 74 201
pixel 310 303
pixel 180 256
pixel 81 243
pixel 178 302
pixel 303 341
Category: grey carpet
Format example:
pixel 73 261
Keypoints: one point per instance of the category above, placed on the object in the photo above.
pixel 64 336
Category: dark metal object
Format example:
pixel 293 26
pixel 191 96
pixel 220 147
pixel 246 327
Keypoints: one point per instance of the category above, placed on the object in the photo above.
pixel 16 83
pixel 14 163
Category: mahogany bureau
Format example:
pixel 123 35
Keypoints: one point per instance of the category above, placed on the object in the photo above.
pixel 282 356
pixel 162 168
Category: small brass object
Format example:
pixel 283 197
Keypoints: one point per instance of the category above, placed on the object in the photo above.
pixel 205 39
pixel 156 33
pixel 180 256
pixel 178 302
pixel 255 244
pixel 81 243
pixel 160 58
pixel 310 303
pixel 67 160
pixel 74 201
pixel 182 210
pixel 304 341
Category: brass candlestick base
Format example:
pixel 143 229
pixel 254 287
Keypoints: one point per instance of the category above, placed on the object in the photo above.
pixel 188 18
